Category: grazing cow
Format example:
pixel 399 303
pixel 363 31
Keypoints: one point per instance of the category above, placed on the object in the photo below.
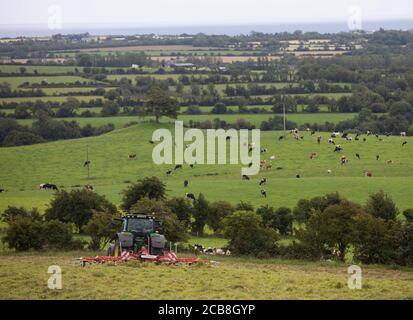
pixel 245 177
pixel 329 171
pixel 404 143
pixel 319 139
pixel 312 132
pixel 87 162
pixel 263 181
pixel 186 183
pixel 377 157
pixel 264 150
pixel 358 156
pixel 349 138
pixel 390 162
pixel 132 156
pixel 272 158
pixel 178 166
pixel 209 250
pixel 335 134
pixel 330 141
pixel 2 190
pixel 280 138
pixel 199 248
pixel 227 253
pixel 88 187
pixel 313 155
pixel 344 135
pixel 403 134
pixel 190 196
pixel 338 148
pixel 297 176
pixel 219 251
pixel 368 174
pixel 263 193
pixel 356 138
pixel 169 172
pixel 343 160
pixel 48 186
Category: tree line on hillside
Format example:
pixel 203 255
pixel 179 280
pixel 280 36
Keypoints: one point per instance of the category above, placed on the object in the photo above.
pixel 324 227
pixel 45 129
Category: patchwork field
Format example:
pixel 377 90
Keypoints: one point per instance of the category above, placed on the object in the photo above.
pixel 22 169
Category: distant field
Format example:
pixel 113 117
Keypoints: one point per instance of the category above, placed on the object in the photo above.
pixel 22 169
pixel 56 91
pixel 16 81
pixel 49 98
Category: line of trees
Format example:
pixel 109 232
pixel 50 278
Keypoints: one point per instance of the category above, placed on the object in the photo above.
pixel 324 227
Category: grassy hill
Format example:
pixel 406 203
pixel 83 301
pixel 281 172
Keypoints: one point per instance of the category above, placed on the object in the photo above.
pixel 22 169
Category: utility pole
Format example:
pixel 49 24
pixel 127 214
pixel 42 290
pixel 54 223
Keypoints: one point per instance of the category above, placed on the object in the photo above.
pixel 87 161
pixel 285 128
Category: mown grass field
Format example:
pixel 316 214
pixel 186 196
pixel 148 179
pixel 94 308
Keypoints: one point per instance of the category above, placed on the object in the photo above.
pixel 22 169
pixel 25 277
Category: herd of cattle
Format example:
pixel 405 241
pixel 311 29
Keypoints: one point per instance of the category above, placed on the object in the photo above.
pixel 265 164
pixel 198 248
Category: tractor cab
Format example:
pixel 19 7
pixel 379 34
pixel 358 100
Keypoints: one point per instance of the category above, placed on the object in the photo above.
pixel 138 231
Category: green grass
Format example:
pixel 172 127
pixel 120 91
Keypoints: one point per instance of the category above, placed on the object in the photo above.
pixel 22 169
pixel 25 277
pixel 16 81
pixel 49 98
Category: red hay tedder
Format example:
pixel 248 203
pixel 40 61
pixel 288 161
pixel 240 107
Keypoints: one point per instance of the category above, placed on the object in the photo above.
pixel 140 240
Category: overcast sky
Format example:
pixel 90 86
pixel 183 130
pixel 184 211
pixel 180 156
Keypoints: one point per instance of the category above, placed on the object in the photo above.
pixel 143 13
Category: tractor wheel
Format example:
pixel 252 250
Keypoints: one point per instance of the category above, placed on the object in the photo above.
pixel 116 249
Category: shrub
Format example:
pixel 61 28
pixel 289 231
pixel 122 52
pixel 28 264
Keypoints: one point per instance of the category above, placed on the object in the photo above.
pixel 77 206
pixel 101 228
pixel 247 236
pixel 380 205
pixel 150 187
pixel 25 234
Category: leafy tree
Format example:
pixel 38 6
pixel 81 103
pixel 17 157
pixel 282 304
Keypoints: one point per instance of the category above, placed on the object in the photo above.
pixel 244 206
pixel 21 138
pixel 101 228
pixel 217 212
pixel 285 220
pixel 159 104
pixel 77 206
pixel 201 215
pixel 305 208
pixel 247 236
pixel 219 108
pixel 373 240
pixel 149 187
pixel 13 213
pixel 182 208
pixel 331 230
pixel 380 205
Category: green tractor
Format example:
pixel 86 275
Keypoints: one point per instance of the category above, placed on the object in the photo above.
pixel 138 231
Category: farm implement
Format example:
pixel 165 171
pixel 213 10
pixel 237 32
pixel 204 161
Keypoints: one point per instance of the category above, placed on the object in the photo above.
pixel 141 239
